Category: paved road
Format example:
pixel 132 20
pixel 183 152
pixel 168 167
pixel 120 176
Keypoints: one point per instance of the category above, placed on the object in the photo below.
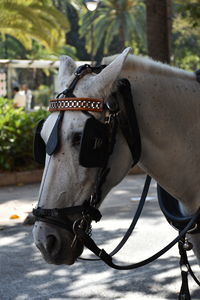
pixel 24 275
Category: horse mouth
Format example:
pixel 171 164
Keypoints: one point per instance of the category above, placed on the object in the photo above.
pixel 65 256
pixel 59 260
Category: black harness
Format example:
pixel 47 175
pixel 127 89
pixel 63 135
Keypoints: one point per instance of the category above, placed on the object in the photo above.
pixel 97 145
pixel 171 210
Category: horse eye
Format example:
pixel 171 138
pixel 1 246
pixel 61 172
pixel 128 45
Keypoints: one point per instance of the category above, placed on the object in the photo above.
pixel 76 139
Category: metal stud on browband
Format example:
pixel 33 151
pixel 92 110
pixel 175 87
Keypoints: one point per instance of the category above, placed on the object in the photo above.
pixel 89 104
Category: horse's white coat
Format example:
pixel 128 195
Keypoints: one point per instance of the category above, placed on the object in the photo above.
pixel 167 103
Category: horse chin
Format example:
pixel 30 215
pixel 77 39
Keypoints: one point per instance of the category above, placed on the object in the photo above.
pixel 62 259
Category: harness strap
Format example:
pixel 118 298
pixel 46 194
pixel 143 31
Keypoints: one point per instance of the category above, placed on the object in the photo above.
pixel 39 146
pixel 133 223
pixel 185 271
pixel 130 128
pixel 197 72
pixel 184 258
pixel 136 216
pixel 103 172
pixel 84 209
pixel 53 142
pixel 80 72
pixel 67 224
pixel 91 245
pixel 184 291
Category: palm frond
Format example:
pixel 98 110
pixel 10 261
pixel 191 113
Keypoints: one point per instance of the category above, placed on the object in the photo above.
pixel 35 19
pixel 129 13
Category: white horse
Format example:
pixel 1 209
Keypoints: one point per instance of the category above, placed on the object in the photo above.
pixel 167 104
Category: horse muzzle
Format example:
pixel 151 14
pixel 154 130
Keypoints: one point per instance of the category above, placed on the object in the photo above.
pixel 59 233
pixel 57 246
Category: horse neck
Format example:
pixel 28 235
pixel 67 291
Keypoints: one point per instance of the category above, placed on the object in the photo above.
pixel 167 109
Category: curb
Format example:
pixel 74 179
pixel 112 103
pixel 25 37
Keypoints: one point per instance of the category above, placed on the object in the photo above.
pixel 34 176
pixel 18 178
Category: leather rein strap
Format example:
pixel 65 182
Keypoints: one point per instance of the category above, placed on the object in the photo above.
pixel 89 243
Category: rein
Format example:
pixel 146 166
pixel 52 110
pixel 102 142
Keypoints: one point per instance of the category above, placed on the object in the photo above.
pixel 115 115
pixel 90 244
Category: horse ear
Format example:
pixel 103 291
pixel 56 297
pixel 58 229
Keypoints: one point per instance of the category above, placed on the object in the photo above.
pixel 105 79
pixel 66 69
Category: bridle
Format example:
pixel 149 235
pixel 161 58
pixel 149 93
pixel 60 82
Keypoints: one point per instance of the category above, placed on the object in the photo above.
pixel 88 211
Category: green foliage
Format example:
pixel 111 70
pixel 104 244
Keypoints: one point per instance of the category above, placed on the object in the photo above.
pixel 16 136
pixel 72 10
pixel 121 19
pixel 35 29
pixel 39 52
pixel 186 42
pixel 28 20
pixel 191 10
pixel 11 48
pixel 42 95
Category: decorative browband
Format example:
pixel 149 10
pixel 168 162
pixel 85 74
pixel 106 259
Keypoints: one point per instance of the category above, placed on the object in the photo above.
pixel 89 104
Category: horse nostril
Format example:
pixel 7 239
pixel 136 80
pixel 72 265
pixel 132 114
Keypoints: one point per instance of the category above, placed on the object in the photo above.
pixel 51 243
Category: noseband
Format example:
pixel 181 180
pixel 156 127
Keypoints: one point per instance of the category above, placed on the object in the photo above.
pixel 96 135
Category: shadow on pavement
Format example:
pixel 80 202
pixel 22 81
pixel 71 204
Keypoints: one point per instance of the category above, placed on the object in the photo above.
pixel 24 275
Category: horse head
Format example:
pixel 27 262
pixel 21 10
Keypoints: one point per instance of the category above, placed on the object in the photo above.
pixel 71 182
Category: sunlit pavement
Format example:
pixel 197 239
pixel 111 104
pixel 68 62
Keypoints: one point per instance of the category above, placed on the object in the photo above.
pixel 24 275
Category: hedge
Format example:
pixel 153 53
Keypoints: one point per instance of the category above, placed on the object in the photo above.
pixel 17 129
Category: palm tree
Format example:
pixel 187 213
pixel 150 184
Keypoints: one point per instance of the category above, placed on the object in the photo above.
pixel 159 22
pixel 72 9
pixel 33 19
pixel 121 20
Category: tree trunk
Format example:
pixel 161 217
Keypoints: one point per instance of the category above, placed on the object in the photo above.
pixel 159 23
pixel 121 33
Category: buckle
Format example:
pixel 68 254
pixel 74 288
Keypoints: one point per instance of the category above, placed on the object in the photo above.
pixel 55 212
pixel 82 70
pixel 193 229
pixel 38 212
